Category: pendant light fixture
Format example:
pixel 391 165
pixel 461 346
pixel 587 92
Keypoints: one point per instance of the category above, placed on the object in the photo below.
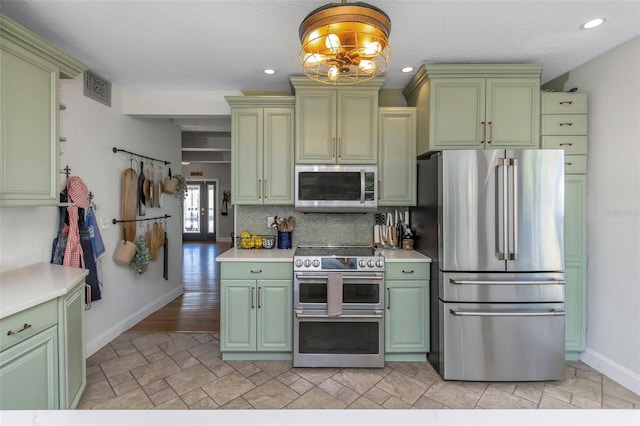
pixel 345 43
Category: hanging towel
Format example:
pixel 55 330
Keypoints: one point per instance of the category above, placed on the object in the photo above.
pixel 77 193
pixel 94 233
pixel 334 294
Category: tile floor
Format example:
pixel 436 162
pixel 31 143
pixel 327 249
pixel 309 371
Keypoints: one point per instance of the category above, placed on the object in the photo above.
pixel 185 371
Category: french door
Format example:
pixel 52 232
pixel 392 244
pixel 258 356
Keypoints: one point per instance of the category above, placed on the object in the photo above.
pixel 199 212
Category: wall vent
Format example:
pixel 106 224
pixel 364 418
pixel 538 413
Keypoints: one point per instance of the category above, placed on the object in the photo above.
pixel 97 88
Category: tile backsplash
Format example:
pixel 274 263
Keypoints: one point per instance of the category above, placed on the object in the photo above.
pixel 321 228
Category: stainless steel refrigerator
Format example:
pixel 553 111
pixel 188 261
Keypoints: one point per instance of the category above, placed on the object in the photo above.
pixel 493 223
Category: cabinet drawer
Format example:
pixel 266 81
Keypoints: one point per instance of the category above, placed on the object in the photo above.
pixel 570 144
pixel 256 270
pixel 564 103
pixel 407 271
pixel 564 124
pixel 575 164
pixel 31 321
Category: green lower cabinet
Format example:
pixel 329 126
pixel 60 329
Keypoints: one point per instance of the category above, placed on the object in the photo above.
pixel 575 309
pixel 406 324
pixel 73 370
pixel 256 318
pixel 29 373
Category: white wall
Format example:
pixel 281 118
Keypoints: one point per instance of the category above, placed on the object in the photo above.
pixel 92 130
pixel 612 82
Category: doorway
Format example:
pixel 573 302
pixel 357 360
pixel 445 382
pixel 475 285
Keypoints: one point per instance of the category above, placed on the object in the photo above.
pixel 199 216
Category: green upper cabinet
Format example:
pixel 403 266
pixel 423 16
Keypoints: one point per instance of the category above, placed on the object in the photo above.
pixel 30 69
pixel 336 125
pixel 397 156
pixel 262 149
pixel 476 106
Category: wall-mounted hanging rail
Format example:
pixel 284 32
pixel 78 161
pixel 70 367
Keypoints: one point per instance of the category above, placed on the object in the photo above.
pixel 66 171
pixel 166 216
pixel 116 150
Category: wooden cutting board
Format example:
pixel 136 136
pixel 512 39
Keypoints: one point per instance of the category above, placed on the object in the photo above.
pixel 129 203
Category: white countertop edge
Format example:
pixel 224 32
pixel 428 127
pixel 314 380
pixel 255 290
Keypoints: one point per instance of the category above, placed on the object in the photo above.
pixel 256 255
pixel 401 255
pixel 31 285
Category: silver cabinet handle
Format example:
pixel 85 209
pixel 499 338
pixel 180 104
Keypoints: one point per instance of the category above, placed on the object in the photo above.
pixel 566 124
pixel 259 188
pixel 388 298
pixel 514 203
pixel 26 326
pixel 333 147
pixel 259 297
pixel 506 282
pixel 484 131
pixel 568 164
pixel 339 147
pixel 259 271
pixel 252 304
pixel 410 271
pixel 566 102
pixel 567 144
pixel 299 314
pixel 551 313
pixel 264 189
pixel 490 123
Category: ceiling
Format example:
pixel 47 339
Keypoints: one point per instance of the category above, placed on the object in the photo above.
pixel 225 45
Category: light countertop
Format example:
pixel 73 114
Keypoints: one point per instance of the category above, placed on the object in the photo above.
pixel 286 255
pixel 32 285
pixel 236 254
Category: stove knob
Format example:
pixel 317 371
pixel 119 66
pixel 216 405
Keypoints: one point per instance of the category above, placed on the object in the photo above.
pixel 379 263
pixel 316 263
pixel 307 263
pixel 299 263
pixel 370 264
pixel 362 263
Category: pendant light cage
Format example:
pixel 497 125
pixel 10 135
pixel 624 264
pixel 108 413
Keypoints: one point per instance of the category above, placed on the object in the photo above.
pixel 345 43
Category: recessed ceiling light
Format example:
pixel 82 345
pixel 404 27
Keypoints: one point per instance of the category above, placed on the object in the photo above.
pixel 592 23
pixel 269 71
pixel 406 69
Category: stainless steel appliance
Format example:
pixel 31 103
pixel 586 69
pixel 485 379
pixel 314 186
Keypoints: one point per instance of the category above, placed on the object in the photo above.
pixel 338 300
pixel 336 188
pixel 493 223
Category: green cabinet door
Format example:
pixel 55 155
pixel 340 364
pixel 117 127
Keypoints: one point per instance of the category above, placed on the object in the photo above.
pixel 575 307
pixel 29 123
pixel 71 326
pixel 316 126
pixel 277 156
pixel 275 308
pixel 246 152
pixel 407 316
pixel 29 373
pixel 357 129
pixel 397 156
pixel 513 113
pixel 238 315
pixel 457 111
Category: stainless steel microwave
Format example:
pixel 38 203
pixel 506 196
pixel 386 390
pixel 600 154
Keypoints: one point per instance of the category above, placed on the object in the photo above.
pixel 336 188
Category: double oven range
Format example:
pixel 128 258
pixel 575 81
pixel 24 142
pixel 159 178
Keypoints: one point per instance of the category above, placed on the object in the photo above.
pixel 338 302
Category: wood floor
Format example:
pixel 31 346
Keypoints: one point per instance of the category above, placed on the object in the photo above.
pixel 198 309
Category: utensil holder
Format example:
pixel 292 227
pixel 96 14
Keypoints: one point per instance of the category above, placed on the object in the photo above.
pixel 284 240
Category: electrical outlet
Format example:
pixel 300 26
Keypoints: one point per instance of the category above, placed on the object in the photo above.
pixel 270 220
pixel 104 224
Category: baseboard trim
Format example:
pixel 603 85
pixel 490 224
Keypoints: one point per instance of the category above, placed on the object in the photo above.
pixel 612 369
pixel 98 342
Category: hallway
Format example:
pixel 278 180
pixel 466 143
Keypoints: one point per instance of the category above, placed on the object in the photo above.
pixel 198 309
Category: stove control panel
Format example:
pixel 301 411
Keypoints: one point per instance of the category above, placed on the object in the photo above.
pixel 338 263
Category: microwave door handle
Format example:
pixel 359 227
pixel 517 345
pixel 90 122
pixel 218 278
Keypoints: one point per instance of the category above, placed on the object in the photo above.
pixel 361 186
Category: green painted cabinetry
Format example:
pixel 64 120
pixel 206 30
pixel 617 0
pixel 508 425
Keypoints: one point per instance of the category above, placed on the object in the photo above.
pixel 407 311
pixel 464 106
pixel 564 126
pixel 336 125
pixel 30 69
pixel 73 377
pixel 262 149
pixel 256 310
pixel 397 156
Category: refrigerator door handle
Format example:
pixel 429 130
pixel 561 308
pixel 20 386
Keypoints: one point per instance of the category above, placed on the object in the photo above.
pixel 513 254
pixel 506 282
pixel 502 204
pixel 552 313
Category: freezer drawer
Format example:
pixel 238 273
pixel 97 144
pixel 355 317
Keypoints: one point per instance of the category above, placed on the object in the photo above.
pixel 502 342
pixel 478 287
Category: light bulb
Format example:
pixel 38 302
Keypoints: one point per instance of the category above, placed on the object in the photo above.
pixel 313 58
pixel 372 48
pixel 333 43
pixel 333 73
pixel 367 66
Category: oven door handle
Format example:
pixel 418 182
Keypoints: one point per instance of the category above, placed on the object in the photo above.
pixel 551 313
pixel 344 277
pixel 299 314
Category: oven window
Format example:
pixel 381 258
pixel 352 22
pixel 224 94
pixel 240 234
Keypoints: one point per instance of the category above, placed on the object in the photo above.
pixel 351 293
pixel 336 337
